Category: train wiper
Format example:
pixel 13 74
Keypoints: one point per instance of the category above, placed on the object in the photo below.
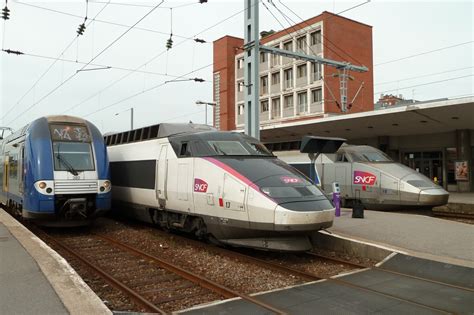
pixel 66 163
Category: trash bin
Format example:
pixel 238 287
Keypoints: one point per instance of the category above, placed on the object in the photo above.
pixel 358 210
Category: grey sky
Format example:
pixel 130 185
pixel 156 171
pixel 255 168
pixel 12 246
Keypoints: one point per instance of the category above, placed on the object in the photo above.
pixel 400 29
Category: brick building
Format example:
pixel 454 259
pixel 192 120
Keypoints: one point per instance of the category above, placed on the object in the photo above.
pixel 291 89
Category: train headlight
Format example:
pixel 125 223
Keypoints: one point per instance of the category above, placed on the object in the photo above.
pixel 45 187
pixel 104 186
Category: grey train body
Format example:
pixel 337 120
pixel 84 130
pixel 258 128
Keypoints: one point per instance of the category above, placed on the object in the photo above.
pixel 367 175
pixel 221 185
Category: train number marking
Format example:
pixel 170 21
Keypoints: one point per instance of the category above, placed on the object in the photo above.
pixel 200 185
pixel 290 180
pixel 364 178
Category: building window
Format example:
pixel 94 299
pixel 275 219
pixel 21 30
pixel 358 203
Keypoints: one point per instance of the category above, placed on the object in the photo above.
pixel 302 102
pixel 275 58
pixel 276 107
pixel 301 71
pixel 263 106
pixel 288 74
pixel 288 46
pixel 275 78
pixel 288 101
pixel 263 57
pixel 240 86
pixel 264 84
pixel 240 63
pixel 315 38
pixel 316 71
pixel 316 95
pixel 240 109
pixel 301 44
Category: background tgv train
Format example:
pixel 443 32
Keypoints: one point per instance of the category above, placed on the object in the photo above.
pixel 224 185
pixel 368 175
pixel 55 171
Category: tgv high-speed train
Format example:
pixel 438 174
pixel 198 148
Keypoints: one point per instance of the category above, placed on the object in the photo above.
pixel 55 171
pixel 224 185
pixel 368 175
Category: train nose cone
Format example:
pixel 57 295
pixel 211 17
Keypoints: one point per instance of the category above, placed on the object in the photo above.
pixel 434 197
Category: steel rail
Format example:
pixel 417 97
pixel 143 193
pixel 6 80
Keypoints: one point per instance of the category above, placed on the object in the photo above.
pixel 346 283
pixel 453 215
pixel 135 296
pixel 201 281
pixel 342 261
pixel 310 276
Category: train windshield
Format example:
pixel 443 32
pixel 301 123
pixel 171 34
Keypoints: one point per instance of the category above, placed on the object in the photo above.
pixel 71 148
pixel 370 156
pixel 72 156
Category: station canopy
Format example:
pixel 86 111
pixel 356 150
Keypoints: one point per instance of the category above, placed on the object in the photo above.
pixel 414 119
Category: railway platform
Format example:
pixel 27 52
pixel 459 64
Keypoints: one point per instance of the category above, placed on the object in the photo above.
pixel 412 234
pixel 399 285
pixel 36 280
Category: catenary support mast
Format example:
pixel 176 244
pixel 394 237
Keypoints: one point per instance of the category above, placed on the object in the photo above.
pixel 251 69
pixel 252 50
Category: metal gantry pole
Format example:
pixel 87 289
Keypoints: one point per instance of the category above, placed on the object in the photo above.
pixel 131 118
pixel 251 69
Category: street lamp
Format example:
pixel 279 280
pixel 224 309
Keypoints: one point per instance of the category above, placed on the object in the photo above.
pixel 213 104
pixel 131 116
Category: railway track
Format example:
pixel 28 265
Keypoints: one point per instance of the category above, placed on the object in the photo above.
pixel 159 282
pixel 164 282
pixel 454 215
pixel 310 276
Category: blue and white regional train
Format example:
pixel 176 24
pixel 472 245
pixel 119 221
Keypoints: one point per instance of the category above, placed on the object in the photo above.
pixel 55 171
pixel 222 185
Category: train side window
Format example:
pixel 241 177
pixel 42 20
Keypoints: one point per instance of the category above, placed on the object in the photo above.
pixel 340 157
pixel 185 149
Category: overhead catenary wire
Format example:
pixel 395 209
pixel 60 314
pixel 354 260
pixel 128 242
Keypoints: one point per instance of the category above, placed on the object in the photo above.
pixel 329 41
pixel 99 65
pixel 144 91
pixel 423 76
pixel 107 22
pixel 50 66
pixel 152 59
pixel 423 53
pixel 423 84
pixel 95 57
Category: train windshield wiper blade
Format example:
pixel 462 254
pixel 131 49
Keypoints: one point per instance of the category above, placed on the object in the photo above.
pixel 66 163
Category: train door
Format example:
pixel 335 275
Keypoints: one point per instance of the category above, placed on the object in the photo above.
pixel 185 184
pixel 21 169
pixel 233 200
pixel 365 183
pixel 389 190
pixel 5 173
pixel 161 192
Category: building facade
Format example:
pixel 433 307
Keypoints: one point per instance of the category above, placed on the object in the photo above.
pixel 290 89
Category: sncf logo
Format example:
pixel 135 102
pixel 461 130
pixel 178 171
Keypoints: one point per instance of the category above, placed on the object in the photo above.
pixel 290 180
pixel 364 178
pixel 200 185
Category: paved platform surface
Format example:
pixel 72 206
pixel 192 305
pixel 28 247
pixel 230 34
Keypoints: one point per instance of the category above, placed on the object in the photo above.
pixel 418 235
pixel 401 285
pixel 34 279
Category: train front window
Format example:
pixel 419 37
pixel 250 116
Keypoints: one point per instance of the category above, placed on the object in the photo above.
pixel 72 156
